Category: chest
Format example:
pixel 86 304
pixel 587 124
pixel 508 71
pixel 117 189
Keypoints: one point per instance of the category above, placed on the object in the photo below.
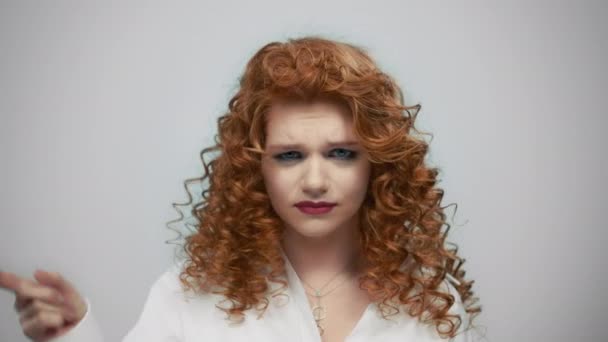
pixel 293 321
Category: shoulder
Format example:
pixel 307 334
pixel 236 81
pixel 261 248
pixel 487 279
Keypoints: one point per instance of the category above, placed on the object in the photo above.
pixel 169 286
pixel 194 314
pixel 169 278
pixel 446 286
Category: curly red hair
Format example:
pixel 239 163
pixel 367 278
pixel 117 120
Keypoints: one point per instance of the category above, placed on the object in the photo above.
pixel 235 248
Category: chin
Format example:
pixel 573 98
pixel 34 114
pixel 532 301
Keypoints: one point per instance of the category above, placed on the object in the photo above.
pixel 312 231
pixel 314 234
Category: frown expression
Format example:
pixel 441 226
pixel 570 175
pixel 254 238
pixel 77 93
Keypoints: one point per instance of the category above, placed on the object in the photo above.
pixel 312 154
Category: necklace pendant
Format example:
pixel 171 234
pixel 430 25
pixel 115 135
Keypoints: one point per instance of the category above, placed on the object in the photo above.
pixel 317 293
pixel 319 313
pixel 321 329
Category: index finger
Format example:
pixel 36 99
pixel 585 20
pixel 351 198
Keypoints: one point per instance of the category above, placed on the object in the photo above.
pixel 9 281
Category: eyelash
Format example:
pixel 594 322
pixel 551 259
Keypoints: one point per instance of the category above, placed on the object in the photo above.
pixel 352 155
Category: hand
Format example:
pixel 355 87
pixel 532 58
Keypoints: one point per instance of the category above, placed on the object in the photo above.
pixel 47 308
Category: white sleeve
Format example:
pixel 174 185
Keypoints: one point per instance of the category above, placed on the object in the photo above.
pixel 160 319
pixel 158 322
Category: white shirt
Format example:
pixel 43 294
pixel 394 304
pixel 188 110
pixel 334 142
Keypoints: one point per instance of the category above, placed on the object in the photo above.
pixel 171 316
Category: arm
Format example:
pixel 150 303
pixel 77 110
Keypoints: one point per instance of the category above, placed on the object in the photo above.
pixel 158 322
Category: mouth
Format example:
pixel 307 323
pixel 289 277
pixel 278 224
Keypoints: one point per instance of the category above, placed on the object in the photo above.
pixel 316 210
pixel 310 204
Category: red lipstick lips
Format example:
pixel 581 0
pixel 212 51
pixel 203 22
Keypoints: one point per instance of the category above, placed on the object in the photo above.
pixel 315 208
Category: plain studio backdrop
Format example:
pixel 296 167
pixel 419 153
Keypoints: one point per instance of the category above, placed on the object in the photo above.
pixel 106 105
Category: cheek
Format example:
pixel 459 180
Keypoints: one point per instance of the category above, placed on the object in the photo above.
pixel 276 191
pixel 276 186
pixel 357 178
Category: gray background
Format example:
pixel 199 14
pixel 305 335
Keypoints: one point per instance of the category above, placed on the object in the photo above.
pixel 105 106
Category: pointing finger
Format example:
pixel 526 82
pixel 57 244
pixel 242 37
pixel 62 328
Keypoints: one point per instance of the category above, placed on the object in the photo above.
pixel 9 281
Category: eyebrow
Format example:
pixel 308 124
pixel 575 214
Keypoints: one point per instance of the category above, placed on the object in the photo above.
pixel 297 146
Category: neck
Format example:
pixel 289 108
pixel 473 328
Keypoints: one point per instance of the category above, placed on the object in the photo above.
pixel 317 259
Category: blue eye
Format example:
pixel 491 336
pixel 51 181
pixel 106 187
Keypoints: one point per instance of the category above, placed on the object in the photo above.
pixel 345 155
pixel 281 157
pixel 349 154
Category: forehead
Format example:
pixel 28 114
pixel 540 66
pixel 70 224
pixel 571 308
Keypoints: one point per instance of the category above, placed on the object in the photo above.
pixel 291 122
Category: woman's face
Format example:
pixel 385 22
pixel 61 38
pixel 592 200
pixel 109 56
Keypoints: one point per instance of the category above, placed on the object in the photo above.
pixel 324 162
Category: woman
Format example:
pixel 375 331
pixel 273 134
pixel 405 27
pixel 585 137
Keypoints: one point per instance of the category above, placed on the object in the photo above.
pixel 321 221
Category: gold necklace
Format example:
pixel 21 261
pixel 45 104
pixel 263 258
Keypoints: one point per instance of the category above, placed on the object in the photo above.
pixel 319 311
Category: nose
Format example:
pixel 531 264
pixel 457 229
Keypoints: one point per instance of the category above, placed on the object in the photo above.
pixel 314 180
